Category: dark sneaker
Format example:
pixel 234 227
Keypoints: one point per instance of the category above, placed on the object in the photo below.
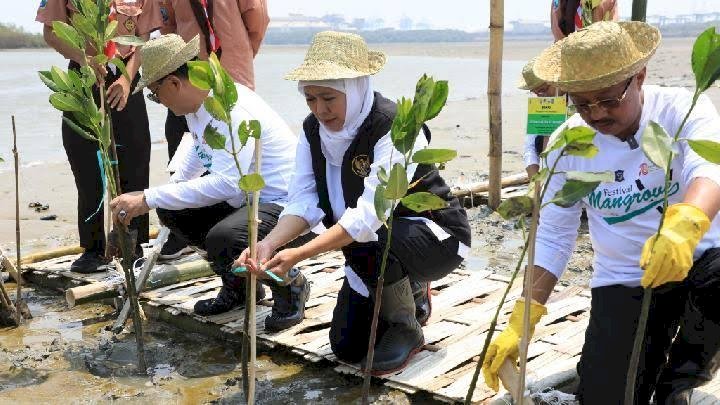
pixel 173 248
pixel 231 295
pixel 89 262
pixel 288 302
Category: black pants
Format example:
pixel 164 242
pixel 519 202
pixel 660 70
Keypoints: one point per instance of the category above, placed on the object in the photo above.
pixel 175 127
pixel 414 251
pixel 613 320
pixel 220 229
pixel 132 137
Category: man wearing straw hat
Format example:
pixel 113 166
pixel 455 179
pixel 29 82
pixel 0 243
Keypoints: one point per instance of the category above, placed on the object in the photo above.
pixel 209 211
pixel 603 68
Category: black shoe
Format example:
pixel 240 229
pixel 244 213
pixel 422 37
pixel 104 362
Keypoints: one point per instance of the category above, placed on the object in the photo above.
pixel 403 336
pixel 288 302
pixel 173 248
pixel 423 301
pixel 231 295
pixel 89 262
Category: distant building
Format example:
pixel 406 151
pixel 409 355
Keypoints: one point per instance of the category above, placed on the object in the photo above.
pixel 527 27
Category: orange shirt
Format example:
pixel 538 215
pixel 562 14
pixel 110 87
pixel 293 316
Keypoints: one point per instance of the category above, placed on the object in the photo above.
pixel 239 24
pixel 134 17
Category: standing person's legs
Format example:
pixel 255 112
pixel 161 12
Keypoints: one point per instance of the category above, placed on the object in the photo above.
pixel 694 355
pixel 132 137
pixel 609 339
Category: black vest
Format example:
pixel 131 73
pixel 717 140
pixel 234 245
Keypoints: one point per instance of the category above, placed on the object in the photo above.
pixel 356 166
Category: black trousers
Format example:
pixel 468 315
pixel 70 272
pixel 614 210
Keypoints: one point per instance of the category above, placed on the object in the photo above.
pixel 132 137
pixel 414 251
pixel 220 229
pixel 175 127
pixel 672 329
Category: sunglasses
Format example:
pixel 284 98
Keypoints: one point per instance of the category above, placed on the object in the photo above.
pixel 608 104
pixel 153 95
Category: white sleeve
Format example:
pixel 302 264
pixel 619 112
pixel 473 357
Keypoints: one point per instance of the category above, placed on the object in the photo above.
pixel 558 228
pixel 302 194
pixel 187 162
pixel 703 124
pixel 361 222
pixel 221 184
pixel 530 154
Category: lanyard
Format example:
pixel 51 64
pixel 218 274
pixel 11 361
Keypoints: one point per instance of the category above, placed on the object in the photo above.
pixel 214 40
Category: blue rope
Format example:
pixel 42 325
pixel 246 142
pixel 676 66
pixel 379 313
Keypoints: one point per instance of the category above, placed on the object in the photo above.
pixel 103 178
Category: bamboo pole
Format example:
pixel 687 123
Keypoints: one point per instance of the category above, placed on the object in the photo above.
pixel 481 187
pixel 18 280
pixel 639 10
pixel 494 92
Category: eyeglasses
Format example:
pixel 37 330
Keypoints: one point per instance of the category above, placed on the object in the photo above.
pixel 608 104
pixel 153 95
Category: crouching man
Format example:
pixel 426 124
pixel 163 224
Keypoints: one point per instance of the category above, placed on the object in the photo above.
pixel 209 210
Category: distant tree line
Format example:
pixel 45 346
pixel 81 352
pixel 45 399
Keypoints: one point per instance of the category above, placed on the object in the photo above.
pixel 303 36
pixel 13 37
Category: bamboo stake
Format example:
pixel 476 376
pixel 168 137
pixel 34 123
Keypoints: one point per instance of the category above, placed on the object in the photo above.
pixel 528 287
pixel 494 92
pixel 639 9
pixel 250 324
pixel 18 281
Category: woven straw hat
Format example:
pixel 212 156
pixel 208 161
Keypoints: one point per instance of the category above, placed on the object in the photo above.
pixel 528 80
pixel 599 56
pixel 163 55
pixel 337 55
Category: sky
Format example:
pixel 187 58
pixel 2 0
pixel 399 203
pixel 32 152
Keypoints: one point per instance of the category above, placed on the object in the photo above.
pixel 471 15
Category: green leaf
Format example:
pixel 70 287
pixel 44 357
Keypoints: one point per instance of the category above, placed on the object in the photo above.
pixel 657 145
pixel 397 184
pixel 579 134
pixel 706 59
pixel 423 94
pixel 128 40
pixel 431 156
pixel 213 138
pixel 573 191
pixel 100 59
pixel 79 130
pixel 67 34
pixel 110 31
pixel 382 175
pixel 199 74
pixel 586 150
pixel 589 177
pixel 517 206
pixel 104 138
pixel 251 183
pixel 438 99
pixel 65 102
pixel 243 133
pixel 88 76
pixel 121 65
pixel 60 78
pixel 216 109
pixel 230 91
pixel 255 129
pixel 382 205
pixel 74 79
pixel 46 78
pixel 708 150
pixel 540 176
pixel 423 201
pixel 84 26
pixel 218 84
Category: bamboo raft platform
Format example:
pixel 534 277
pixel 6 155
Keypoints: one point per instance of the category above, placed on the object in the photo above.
pixel 463 305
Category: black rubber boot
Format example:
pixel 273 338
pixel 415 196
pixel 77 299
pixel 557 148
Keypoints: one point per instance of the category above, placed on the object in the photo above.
pixel 288 301
pixel 694 357
pixel 403 336
pixel 423 303
pixel 231 295
pixel 90 262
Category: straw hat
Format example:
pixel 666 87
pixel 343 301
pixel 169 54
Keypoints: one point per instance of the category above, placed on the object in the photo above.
pixel 528 80
pixel 337 55
pixel 599 56
pixel 163 55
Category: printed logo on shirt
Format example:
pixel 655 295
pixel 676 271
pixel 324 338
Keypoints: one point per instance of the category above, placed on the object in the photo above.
pixel 361 165
pixel 644 170
pixel 129 25
pixel 626 196
pixel 165 15
pixel 43 3
pixel 619 175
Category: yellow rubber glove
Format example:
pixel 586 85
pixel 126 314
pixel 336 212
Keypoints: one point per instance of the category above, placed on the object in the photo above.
pixel 670 257
pixel 507 344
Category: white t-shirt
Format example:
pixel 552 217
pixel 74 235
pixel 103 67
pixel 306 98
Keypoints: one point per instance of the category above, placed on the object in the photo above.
pixel 188 189
pixel 624 214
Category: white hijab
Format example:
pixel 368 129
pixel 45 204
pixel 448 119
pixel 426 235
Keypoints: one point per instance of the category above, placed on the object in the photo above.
pixel 359 100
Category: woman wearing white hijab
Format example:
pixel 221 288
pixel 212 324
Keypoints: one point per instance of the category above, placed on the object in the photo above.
pixel 345 141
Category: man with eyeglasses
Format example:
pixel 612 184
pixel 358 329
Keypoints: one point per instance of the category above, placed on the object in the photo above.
pixel 603 69
pixel 209 211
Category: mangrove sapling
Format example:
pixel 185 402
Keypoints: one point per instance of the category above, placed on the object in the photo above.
pixel 92 33
pixel 430 98
pixel 576 141
pixel 660 149
pixel 210 75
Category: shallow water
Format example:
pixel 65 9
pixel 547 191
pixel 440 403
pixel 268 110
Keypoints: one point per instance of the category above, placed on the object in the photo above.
pixel 65 355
